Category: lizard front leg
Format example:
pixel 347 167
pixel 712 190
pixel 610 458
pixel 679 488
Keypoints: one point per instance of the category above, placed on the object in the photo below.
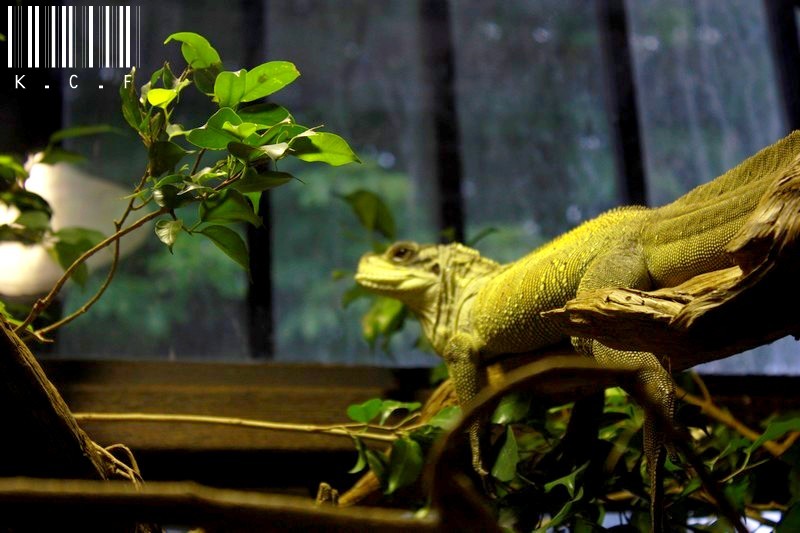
pixel 462 357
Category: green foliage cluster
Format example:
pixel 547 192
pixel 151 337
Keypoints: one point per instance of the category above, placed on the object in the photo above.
pixel 32 223
pixel 246 136
pixel 403 465
pixel 252 137
pixel 540 486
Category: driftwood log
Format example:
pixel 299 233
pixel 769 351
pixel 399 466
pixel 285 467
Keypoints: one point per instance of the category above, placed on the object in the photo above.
pixel 713 315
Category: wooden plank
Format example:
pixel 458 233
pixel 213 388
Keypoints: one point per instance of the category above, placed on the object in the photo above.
pixel 313 394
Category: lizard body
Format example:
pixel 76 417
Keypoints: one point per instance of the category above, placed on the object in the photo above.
pixel 473 309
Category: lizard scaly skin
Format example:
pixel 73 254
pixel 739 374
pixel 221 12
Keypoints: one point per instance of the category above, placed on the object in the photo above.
pixel 473 309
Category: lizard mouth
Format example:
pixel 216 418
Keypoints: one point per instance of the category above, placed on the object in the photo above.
pixel 388 282
pixel 374 275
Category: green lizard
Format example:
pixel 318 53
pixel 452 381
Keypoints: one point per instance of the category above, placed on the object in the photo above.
pixel 473 309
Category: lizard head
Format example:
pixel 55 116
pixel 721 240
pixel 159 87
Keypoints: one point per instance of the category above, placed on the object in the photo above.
pixel 433 280
pixel 406 271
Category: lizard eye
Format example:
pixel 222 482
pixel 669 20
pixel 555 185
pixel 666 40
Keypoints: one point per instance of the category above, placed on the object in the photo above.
pixel 400 253
pixel 436 269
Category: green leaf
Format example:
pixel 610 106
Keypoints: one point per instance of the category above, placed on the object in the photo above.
pixel 35 220
pixel 447 418
pixel 168 231
pixel 361 463
pixel 354 293
pixel 372 212
pixel 81 131
pixel 790 522
pixel 70 244
pixel 512 408
pixel 242 131
pixel 377 463
pixel 390 406
pixel 202 57
pixel 405 464
pixel 261 181
pixel 213 135
pixel 505 467
pixel 264 114
pixel 168 196
pixel 268 78
pixel 738 493
pixel 385 316
pixel 324 147
pixel 11 168
pixel 281 133
pixel 229 88
pixel 365 412
pixel 25 201
pixel 78 235
pixel 485 232
pixel 164 155
pixel 228 206
pixel 196 49
pixel 562 515
pixel 775 430
pixel 568 481
pixel 159 97
pixel 52 155
pixel 229 242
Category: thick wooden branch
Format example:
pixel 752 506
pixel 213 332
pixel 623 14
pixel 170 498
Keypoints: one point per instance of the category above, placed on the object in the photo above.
pixel 101 506
pixel 716 314
pixel 40 436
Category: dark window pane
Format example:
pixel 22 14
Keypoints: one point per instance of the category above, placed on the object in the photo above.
pixel 709 98
pixel 537 154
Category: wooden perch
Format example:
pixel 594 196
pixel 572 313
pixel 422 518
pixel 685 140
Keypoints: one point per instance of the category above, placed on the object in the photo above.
pixel 41 438
pixel 46 503
pixel 713 315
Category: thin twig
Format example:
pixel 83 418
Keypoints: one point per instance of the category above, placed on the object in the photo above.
pixel 38 334
pixel 120 468
pixel 86 306
pixel 43 303
pixel 707 406
pixel 347 430
pixel 197 161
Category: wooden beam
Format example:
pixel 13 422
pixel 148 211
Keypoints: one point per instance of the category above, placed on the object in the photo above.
pixel 313 394
pixel 622 106
pixel 782 26
pixel 438 65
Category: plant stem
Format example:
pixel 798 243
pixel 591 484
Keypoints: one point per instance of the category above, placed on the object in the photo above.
pixel 197 161
pixel 43 303
pixel 89 303
pixel 346 430
pixel 112 271
pixel 707 406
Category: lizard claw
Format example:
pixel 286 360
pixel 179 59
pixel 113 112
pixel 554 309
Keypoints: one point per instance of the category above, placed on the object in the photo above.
pixel 485 477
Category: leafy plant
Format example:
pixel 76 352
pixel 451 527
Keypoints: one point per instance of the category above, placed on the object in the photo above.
pixel 244 137
pixel 540 485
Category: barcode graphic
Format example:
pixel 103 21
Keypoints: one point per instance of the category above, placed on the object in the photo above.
pixel 73 36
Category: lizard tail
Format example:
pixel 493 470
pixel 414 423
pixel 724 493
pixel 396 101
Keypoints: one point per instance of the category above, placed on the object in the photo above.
pixel 774 227
pixel 691 235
